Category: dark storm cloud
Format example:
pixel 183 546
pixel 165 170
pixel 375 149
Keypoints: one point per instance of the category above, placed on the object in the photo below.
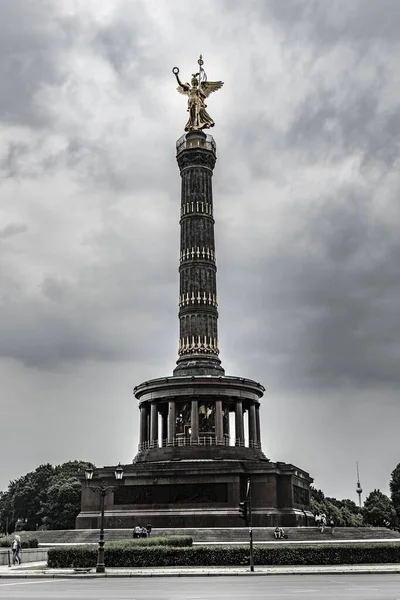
pixel 132 44
pixel 94 162
pixel 316 284
pixel 12 229
pixel 326 299
pixel 356 22
pixel 321 270
pixel 29 159
pixel 31 39
pixel 328 123
pixel 66 325
pixel 306 192
pixel 10 163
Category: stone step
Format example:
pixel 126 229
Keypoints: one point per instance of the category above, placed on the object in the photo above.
pixel 234 534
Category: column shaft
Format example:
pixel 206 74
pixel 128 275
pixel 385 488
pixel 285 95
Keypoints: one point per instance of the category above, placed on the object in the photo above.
pixel 164 427
pixel 143 426
pixel 227 425
pixel 194 423
pixel 239 425
pixel 154 424
pixel 198 304
pixel 219 425
pixel 171 423
pixel 258 426
pixel 252 426
pixel 148 423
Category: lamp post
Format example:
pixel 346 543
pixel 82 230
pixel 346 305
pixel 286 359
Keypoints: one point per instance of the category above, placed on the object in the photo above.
pixel 248 496
pixel 103 489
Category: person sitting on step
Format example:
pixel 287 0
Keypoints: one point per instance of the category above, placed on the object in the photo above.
pixel 279 534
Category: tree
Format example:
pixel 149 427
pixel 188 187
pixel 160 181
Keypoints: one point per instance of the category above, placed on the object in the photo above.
pixel 64 495
pixel 378 510
pixel 28 496
pixel 48 496
pixel 351 506
pixel 317 495
pixel 344 513
pixel 395 490
pixel 7 522
pixel 64 501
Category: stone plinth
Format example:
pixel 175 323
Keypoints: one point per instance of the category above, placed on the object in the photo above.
pixel 200 493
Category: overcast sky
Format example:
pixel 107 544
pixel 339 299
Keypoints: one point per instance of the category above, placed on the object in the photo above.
pixel 306 192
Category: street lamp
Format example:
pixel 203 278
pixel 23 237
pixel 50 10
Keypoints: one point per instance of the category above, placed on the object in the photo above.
pixel 103 489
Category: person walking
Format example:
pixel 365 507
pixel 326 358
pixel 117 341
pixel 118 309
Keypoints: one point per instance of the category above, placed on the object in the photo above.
pixel 332 526
pixel 323 522
pixel 16 549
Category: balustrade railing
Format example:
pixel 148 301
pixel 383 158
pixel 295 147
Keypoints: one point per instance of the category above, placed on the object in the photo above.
pixel 202 440
pixel 183 143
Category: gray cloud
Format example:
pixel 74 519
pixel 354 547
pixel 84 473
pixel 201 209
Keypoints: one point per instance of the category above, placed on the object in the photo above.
pixel 356 23
pixel 31 40
pixel 12 229
pixel 306 194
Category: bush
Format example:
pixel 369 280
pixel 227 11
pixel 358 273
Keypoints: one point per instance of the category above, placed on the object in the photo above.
pixel 177 541
pixel 5 542
pixel 118 555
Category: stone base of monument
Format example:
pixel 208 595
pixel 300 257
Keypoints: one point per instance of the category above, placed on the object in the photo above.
pixel 199 429
pixel 187 493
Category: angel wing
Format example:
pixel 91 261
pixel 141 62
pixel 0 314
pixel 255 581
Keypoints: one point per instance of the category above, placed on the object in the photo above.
pixel 211 86
pixel 183 89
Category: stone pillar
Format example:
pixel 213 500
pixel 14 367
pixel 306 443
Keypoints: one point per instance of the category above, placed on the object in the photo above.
pixel 143 426
pixel 227 428
pixel 194 423
pixel 164 427
pixel 198 304
pixel 252 426
pixel 239 425
pixel 171 423
pixel 148 423
pixel 219 425
pixel 258 426
pixel 153 424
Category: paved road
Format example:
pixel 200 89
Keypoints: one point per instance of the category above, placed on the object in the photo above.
pixel 282 587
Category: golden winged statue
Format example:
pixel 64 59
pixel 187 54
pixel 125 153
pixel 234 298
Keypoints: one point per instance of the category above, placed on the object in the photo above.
pixel 197 91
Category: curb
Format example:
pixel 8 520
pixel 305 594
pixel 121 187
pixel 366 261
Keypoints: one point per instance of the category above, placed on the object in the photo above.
pixel 214 573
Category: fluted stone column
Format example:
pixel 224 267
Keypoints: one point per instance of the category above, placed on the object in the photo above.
pixel 164 427
pixel 252 426
pixel 143 425
pixel 227 432
pixel 239 425
pixel 171 423
pixel 198 305
pixel 194 422
pixel 219 425
pixel 258 425
pixel 154 424
pixel 148 423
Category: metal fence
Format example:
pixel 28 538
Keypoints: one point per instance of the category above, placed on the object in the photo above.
pixel 202 440
pixel 183 143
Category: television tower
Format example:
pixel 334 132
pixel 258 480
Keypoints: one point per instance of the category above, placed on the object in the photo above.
pixel 358 488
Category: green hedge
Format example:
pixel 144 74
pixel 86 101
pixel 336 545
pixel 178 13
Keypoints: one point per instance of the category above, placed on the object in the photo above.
pixel 164 556
pixel 6 542
pixel 178 541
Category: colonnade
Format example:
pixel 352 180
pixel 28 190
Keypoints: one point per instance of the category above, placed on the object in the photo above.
pixel 161 418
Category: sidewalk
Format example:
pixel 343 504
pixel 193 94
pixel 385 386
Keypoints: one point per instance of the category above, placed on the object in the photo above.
pixel 39 571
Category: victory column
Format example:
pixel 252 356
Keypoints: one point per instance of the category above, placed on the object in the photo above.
pixel 199 431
